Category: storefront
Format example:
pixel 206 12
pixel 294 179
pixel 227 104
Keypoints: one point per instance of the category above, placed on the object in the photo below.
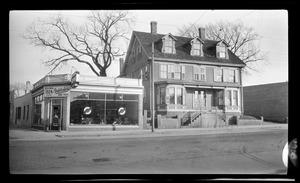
pixel 87 103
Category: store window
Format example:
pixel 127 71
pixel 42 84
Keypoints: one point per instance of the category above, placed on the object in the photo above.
pixel 103 109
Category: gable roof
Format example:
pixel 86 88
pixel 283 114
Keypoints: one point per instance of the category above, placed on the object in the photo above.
pixel 182 53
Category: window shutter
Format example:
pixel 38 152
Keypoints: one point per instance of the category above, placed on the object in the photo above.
pixel 157 95
pixel 182 72
pixel 215 74
pixel 225 75
pixel 236 76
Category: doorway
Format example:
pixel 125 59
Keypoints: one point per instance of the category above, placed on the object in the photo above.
pixel 199 101
pixel 56 111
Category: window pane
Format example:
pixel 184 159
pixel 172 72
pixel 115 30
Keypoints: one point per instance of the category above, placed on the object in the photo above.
pixel 197 45
pixel 179 96
pixel 196 52
pixel 228 97
pixel 222 49
pixel 172 95
pixel 97 95
pixel 162 95
pixel 168 42
pixel 104 112
pixel 130 97
pixel 222 54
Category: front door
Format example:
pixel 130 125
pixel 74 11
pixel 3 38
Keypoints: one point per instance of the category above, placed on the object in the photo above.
pixel 199 100
pixel 56 114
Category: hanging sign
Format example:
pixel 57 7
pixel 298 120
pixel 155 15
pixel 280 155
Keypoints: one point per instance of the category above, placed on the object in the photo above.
pixel 56 91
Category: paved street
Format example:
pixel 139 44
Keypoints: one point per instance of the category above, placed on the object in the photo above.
pixel 252 152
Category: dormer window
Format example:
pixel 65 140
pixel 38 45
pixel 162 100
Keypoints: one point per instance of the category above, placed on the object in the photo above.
pixel 196 47
pixel 169 44
pixel 222 50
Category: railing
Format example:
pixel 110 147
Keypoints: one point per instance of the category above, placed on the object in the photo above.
pixel 189 117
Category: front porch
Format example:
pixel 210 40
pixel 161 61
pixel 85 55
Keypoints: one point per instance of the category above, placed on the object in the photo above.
pixel 199 106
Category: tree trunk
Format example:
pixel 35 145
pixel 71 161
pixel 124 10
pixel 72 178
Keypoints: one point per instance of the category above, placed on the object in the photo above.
pixel 103 72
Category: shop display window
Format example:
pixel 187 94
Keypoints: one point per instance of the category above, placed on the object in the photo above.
pixel 103 109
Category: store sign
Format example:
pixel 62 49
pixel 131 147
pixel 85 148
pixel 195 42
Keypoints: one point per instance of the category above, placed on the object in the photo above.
pixel 56 91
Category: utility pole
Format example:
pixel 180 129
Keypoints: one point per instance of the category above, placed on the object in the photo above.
pixel 152 88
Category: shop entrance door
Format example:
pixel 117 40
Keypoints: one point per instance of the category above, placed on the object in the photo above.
pixel 56 114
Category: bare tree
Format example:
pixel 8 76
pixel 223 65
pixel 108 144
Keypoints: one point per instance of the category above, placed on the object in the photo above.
pixel 17 87
pixel 95 43
pixel 242 40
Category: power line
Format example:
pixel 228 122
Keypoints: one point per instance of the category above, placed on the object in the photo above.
pixel 194 23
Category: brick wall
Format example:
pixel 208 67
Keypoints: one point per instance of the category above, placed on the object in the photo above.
pixel 25 120
pixel 269 101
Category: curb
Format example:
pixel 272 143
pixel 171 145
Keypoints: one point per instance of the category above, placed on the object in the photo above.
pixel 177 132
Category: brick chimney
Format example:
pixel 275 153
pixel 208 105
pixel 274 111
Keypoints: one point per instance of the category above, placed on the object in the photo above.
pixel 153 25
pixel 28 87
pixel 201 33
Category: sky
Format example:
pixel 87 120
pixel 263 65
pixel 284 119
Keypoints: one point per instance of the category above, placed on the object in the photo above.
pixel 25 60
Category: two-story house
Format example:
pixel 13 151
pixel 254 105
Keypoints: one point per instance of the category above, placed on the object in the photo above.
pixel 192 76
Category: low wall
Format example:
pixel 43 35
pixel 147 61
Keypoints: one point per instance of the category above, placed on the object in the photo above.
pixel 169 123
pixel 243 122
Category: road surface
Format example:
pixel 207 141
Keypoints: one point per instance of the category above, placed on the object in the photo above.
pixel 238 153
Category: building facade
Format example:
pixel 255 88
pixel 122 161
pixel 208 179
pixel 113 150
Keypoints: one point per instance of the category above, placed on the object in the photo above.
pixel 21 108
pixel 83 102
pixel 193 77
pixel 267 100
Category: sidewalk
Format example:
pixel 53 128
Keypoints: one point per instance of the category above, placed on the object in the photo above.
pixel 19 133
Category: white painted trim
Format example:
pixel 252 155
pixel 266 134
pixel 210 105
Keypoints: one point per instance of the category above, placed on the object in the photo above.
pixel 98 89
pixel 196 62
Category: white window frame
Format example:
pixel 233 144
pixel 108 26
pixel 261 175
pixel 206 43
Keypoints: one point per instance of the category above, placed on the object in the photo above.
pixel 165 71
pixel 199 73
pixel 231 99
pixel 218 74
pixel 168 45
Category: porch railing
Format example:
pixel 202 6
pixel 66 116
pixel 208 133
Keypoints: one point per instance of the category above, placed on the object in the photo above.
pixel 189 117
